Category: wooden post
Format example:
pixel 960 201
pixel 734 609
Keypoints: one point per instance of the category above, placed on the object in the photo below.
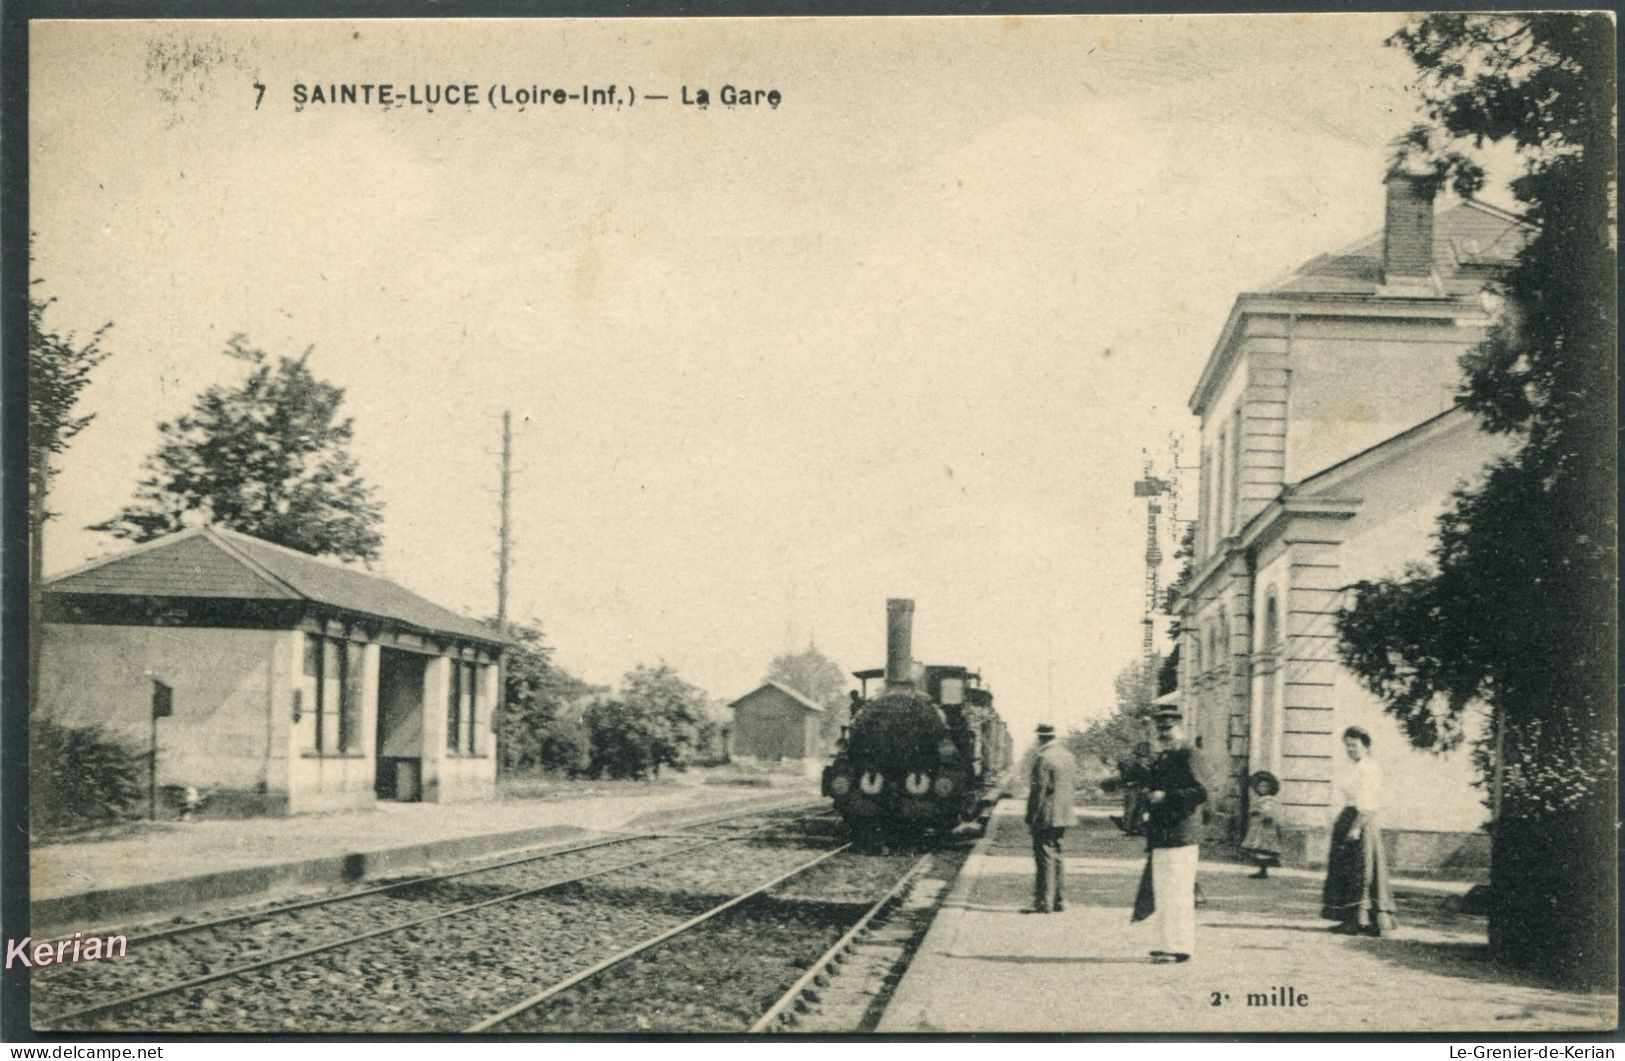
pixel 152 773
pixel 163 705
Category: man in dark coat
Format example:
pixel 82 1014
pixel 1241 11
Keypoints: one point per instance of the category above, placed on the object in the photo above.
pixel 1173 794
pixel 1049 814
pixel 1130 781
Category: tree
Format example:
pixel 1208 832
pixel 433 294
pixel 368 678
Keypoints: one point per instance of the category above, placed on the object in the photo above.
pixel 676 708
pixel 1185 554
pixel 58 371
pixel 268 457
pixel 1106 740
pixel 1516 609
pixel 540 729
pixel 1168 673
pixel 821 680
pixel 656 720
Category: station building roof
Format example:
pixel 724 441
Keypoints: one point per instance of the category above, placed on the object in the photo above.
pixel 211 562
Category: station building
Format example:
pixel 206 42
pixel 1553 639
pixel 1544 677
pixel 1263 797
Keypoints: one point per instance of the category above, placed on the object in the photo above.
pixel 295 684
pixel 775 723
pixel 1330 442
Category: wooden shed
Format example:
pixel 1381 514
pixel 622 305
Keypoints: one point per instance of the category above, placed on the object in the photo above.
pixel 775 723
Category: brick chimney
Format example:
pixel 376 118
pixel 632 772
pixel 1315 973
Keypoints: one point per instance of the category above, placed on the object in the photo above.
pixel 1407 234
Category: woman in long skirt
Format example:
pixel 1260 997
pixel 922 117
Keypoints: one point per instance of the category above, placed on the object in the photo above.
pixel 1357 895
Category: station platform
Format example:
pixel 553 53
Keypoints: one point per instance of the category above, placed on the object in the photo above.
pixel 169 867
pixel 1265 961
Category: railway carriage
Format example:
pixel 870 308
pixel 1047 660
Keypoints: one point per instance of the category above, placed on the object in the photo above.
pixel 925 749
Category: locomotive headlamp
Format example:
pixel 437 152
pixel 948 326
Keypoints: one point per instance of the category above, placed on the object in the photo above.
pixel 946 749
pixel 917 784
pixel 871 783
pixel 944 785
pixel 840 784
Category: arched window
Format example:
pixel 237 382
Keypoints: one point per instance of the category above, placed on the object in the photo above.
pixel 1272 632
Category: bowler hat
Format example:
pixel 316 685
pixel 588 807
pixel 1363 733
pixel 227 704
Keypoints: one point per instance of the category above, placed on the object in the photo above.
pixel 1046 730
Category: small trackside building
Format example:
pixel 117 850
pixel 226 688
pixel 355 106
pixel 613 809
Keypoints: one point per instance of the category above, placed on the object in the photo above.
pixel 776 723
pixel 296 684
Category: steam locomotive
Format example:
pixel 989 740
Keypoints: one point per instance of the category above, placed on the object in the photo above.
pixel 925 748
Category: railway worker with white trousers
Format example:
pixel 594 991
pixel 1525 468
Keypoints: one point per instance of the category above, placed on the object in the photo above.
pixel 1173 793
pixel 1049 814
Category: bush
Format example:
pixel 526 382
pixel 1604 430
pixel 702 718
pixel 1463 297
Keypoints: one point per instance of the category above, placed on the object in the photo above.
pixel 1552 896
pixel 564 746
pixel 80 776
pixel 622 742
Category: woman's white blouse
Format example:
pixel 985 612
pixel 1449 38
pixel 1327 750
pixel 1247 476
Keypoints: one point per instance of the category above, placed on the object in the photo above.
pixel 1361 786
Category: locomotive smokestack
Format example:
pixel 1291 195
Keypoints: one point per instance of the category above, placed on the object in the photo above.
pixel 899 642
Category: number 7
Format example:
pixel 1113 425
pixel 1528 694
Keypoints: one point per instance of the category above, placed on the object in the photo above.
pixel 260 96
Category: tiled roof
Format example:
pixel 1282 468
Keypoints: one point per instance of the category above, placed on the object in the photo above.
pixel 189 564
pixel 1471 243
pixel 214 562
pixel 803 701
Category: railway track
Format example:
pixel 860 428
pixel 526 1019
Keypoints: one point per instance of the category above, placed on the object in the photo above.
pixel 186 958
pixel 762 961
pixel 806 992
pixel 729 924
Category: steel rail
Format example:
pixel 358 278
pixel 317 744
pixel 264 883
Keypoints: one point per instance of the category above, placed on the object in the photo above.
pixel 305 952
pixel 532 855
pixel 586 974
pixel 829 957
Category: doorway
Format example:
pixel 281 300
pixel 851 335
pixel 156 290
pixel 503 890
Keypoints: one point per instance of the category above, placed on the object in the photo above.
pixel 399 752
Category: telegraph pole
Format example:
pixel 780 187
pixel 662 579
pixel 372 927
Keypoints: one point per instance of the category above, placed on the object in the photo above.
pixel 504 557
pixel 506 548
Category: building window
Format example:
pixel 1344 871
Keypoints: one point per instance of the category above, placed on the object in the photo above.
pixel 1205 490
pixel 313 691
pixel 334 672
pixel 471 707
pixel 454 705
pixel 463 708
pixel 355 672
pixel 1269 726
pixel 327 712
pixel 1235 468
pixel 1221 489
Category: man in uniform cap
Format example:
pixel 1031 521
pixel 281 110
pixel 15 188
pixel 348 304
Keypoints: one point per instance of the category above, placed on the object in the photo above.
pixel 1173 792
pixel 1049 813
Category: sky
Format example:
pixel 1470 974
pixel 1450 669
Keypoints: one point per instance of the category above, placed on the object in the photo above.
pixel 912 333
